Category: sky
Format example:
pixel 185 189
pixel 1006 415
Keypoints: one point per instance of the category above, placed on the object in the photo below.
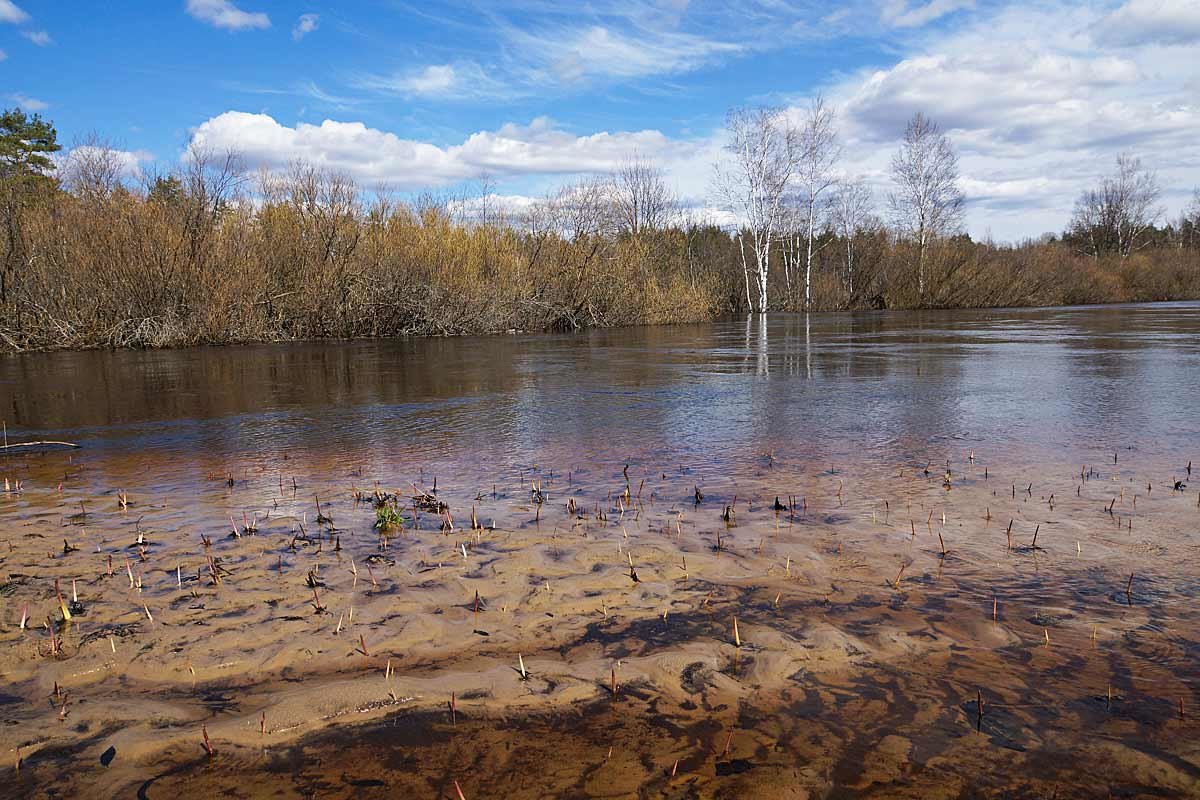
pixel 1039 98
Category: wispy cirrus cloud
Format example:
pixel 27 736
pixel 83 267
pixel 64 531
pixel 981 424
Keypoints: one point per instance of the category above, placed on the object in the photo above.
pixel 903 14
pixel 572 54
pixel 224 14
pixel 307 90
pixel 457 82
pixel 547 47
pixel 40 38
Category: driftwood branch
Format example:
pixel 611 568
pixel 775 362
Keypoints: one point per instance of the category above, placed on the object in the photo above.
pixel 45 443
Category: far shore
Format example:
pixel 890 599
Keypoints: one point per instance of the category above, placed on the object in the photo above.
pixel 512 332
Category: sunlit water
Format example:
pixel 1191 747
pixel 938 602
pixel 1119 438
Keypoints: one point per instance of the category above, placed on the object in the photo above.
pixel 867 615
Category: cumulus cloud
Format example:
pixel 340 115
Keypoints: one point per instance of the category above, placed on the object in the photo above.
pixel 1038 90
pixel 305 25
pixel 489 206
pixel 224 14
pixel 10 12
pixel 1163 22
pixel 901 14
pixel 128 163
pixel 375 157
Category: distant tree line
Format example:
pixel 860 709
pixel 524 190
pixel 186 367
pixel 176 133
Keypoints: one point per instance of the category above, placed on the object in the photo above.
pixel 212 253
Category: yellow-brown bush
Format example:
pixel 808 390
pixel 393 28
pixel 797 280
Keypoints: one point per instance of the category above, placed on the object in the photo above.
pixel 305 256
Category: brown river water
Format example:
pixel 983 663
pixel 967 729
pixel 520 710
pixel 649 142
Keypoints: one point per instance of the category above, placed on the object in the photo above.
pixel 937 555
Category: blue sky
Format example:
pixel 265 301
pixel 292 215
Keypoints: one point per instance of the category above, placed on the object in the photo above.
pixel 1038 96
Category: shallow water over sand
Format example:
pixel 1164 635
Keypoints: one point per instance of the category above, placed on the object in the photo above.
pixel 877 599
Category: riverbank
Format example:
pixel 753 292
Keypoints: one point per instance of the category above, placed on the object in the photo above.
pixel 315 262
pixel 154 334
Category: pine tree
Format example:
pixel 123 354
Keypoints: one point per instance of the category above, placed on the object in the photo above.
pixel 25 145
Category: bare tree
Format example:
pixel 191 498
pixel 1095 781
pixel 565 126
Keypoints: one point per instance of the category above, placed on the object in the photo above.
pixel 641 199
pixel 819 152
pixel 327 204
pixel 210 181
pixel 93 169
pixel 764 150
pixel 1189 223
pixel 582 210
pixel 851 209
pixel 1114 216
pixel 926 203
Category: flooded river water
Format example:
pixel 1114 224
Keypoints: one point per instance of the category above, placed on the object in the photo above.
pixel 938 554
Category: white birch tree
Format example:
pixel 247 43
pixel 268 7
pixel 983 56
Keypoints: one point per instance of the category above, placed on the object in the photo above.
pixel 851 209
pixel 819 153
pixel 926 203
pixel 764 150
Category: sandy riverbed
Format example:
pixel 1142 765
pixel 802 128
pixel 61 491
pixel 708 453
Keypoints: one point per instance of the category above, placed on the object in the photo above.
pixel 864 648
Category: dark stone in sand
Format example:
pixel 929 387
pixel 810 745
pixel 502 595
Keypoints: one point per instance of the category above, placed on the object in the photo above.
pixel 734 767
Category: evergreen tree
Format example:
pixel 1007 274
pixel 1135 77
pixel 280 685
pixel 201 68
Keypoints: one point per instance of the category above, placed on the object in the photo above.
pixel 26 144
pixel 25 147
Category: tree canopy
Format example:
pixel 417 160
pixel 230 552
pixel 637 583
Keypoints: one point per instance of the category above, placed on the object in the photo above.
pixel 26 143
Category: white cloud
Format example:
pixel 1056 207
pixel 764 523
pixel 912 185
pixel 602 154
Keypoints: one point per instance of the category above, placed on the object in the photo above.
pixel 1037 108
pixel 535 59
pixel 375 158
pixel 314 92
pixel 27 103
pixel 306 24
pixel 1037 91
pixel 540 57
pixel 543 48
pixel 490 205
pixel 3 55
pixel 574 54
pixel 1036 98
pixel 40 38
pixel 899 14
pixel 432 80
pixel 224 14
pixel 9 12
pixel 1165 22
pixel 460 81
pixel 129 162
